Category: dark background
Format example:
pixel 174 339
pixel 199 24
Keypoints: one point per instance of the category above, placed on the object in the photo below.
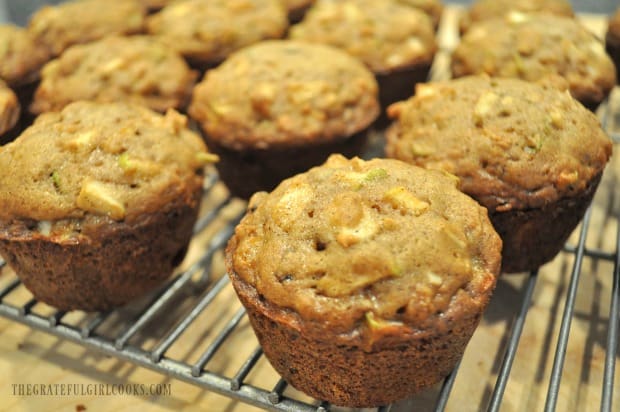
pixel 19 10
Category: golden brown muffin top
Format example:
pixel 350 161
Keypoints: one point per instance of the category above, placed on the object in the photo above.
pixel 137 68
pixel 533 46
pixel 208 31
pixel 487 9
pixel 385 35
pixel 21 57
pixel 82 21
pixel 613 30
pixel 283 92
pixel 514 144
pixel 374 243
pixel 433 8
pixel 110 159
pixel 9 109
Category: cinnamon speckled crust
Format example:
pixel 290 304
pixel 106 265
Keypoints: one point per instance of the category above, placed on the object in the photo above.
pixel 136 69
pixel 100 203
pixel 612 40
pixel 534 46
pixel 21 57
pixel 9 109
pixel 488 9
pixel 517 147
pixel 82 21
pixel 206 32
pixel 339 270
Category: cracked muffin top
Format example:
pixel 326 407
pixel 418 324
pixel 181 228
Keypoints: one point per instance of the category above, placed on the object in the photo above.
pixel 109 159
pixel 206 32
pixel 488 9
pixel 136 68
pixel 385 35
pixel 82 21
pixel 373 243
pixel 21 57
pixel 534 46
pixel 514 144
pixel 285 93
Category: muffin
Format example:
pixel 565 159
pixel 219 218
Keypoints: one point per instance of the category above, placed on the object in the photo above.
pixel 481 10
pixel 279 107
pixel 530 153
pixel 535 46
pixel 612 40
pixel 207 32
pixel 100 203
pixel 397 42
pixel 9 113
pixel 82 21
pixel 364 281
pixel 296 9
pixel 137 69
pixel 21 59
pixel 433 8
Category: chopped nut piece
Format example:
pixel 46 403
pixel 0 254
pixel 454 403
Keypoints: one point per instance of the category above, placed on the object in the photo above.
pixel 220 109
pixel 400 198
pixel 81 141
pixel 422 150
pixel 133 165
pixel 557 120
pixel 365 229
pixel 434 279
pixel 99 198
pixel 291 205
pixel 567 178
pixel 425 90
pixel 483 107
pixel 516 17
pixel 44 227
pixel 112 65
pixel 346 210
pixel 456 236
